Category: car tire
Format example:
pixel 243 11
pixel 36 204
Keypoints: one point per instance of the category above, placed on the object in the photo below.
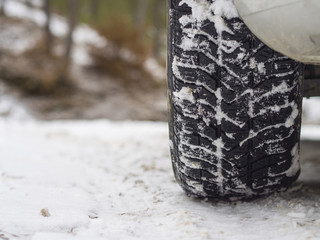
pixel 234 105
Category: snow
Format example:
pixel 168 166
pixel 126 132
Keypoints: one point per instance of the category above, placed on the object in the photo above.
pixel 223 8
pixel 185 94
pixel 10 109
pixel 214 12
pixel 157 71
pixel 310 132
pixel 83 35
pixel 113 180
pixel 20 10
pixel 295 167
pixel 311 110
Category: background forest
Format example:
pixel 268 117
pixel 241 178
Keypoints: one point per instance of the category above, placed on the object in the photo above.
pixel 85 58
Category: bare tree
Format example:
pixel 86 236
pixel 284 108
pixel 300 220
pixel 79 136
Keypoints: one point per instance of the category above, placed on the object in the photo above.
pixel 73 6
pixel 141 12
pixel 2 5
pixel 94 9
pixel 157 27
pixel 48 34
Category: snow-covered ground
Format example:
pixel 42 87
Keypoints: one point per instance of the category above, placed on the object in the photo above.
pixel 311 110
pixel 113 180
pixel 11 108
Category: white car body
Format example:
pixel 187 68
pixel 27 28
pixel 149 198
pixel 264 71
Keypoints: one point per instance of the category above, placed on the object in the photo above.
pixel 291 27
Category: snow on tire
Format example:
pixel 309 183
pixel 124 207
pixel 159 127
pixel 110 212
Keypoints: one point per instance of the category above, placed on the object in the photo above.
pixel 234 106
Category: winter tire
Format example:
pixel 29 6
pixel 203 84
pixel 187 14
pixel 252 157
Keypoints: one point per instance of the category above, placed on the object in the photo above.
pixel 234 105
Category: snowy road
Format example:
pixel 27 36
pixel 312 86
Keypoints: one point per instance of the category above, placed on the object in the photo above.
pixel 104 180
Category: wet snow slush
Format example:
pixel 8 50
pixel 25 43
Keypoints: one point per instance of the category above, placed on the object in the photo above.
pixel 113 180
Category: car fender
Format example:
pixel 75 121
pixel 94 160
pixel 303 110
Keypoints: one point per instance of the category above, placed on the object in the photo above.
pixel 291 27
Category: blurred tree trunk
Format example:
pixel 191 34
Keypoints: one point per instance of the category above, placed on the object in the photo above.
pixel 28 3
pixel 141 13
pixel 48 34
pixel 2 3
pixel 94 9
pixel 73 6
pixel 157 28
